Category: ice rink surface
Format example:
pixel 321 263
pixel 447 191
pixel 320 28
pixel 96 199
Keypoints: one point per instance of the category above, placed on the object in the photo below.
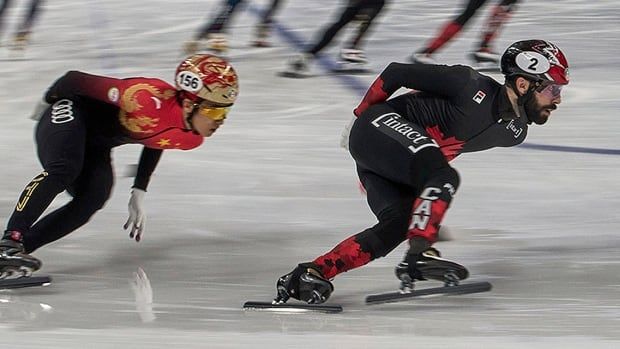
pixel 272 188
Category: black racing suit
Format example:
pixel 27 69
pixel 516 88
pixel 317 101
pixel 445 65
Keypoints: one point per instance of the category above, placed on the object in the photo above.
pixel 402 147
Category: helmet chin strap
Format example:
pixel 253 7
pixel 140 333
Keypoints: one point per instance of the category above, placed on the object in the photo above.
pixel 523 99
pixel 181 95
pixel 190 118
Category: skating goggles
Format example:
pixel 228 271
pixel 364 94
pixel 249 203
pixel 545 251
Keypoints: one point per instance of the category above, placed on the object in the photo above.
pixel 550 90
pixel 215 113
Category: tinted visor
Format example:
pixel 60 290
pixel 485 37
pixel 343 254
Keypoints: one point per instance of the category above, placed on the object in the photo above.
pixel 211 111
pixel 550 89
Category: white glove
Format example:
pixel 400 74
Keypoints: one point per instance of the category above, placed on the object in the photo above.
pixel 39 109
pixel 344 137
pixel 137 215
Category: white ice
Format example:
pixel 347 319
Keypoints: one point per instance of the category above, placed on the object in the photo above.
pixel 272 188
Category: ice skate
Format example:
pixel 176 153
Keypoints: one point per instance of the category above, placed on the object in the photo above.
pixel 191 47
pixel 215 42
pixel 305 283
pixel 485 60
pixel 20 41
pixel 422 57
pixel 262 37
pixel 298 66
pixel 429 265
pixel 14 261
pixel 352 61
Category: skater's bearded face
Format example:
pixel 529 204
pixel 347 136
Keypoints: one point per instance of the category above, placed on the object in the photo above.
pixel 546 99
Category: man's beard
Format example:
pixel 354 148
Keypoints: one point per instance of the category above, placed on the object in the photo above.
pixel 534 112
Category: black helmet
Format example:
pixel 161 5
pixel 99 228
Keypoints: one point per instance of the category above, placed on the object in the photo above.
pixel 538 60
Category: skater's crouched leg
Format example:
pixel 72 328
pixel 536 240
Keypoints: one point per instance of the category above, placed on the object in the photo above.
pixel 387 234
pixel 90 192
pixel 423 261
pixel 368 245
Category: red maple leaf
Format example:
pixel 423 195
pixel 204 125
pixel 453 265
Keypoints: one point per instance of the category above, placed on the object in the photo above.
pixel 449 146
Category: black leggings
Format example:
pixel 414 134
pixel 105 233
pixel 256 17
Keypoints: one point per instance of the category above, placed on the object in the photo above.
pixel 26 24
pixel 472 7
pixel 225 13
pixel 396 171
pixel 409 186
pixel 366 10
pixel 69 163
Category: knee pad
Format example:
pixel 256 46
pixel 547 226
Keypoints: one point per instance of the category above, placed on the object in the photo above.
pixel 441 183
pixel 432 203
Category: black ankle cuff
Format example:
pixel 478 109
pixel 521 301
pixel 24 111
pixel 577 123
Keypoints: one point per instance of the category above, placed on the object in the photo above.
pixel 13 235
pixel 418 245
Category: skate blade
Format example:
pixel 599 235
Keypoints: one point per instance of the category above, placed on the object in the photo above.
pixel 352 71
pixel 293 75
pixel 487 67
pixel 390 297
pixel 293 308
pixel 26 281
pixel 261 44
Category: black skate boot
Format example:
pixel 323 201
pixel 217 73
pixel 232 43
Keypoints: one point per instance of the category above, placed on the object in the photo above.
pixel 305 283
pixel 485 55
pixel 298 66
pixel 422 57
pixel 352 61
pixel 353 56
pixel 20 41
pixel 14 261
pixel 428 265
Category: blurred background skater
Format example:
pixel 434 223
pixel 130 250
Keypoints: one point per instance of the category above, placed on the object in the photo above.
pixel 263 29
pixel 22 36
pixel 352 56
pixel 483 53
pixel 212 36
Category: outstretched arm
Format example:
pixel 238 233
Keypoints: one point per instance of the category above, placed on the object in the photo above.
pixel 148 162
pixel 442 80
pixel 137 215
pixel 76 83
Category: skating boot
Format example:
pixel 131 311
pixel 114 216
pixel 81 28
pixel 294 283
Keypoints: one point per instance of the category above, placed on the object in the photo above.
pixel 192 46
pixel 485 60
pixel 262 36
pixel 298 66
pixel 217 43
pixel 305 283
pixel 422 57
pixel 14 261
pixel 20 41
pixel 352 60
pixel 485 55
pixel 428 265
